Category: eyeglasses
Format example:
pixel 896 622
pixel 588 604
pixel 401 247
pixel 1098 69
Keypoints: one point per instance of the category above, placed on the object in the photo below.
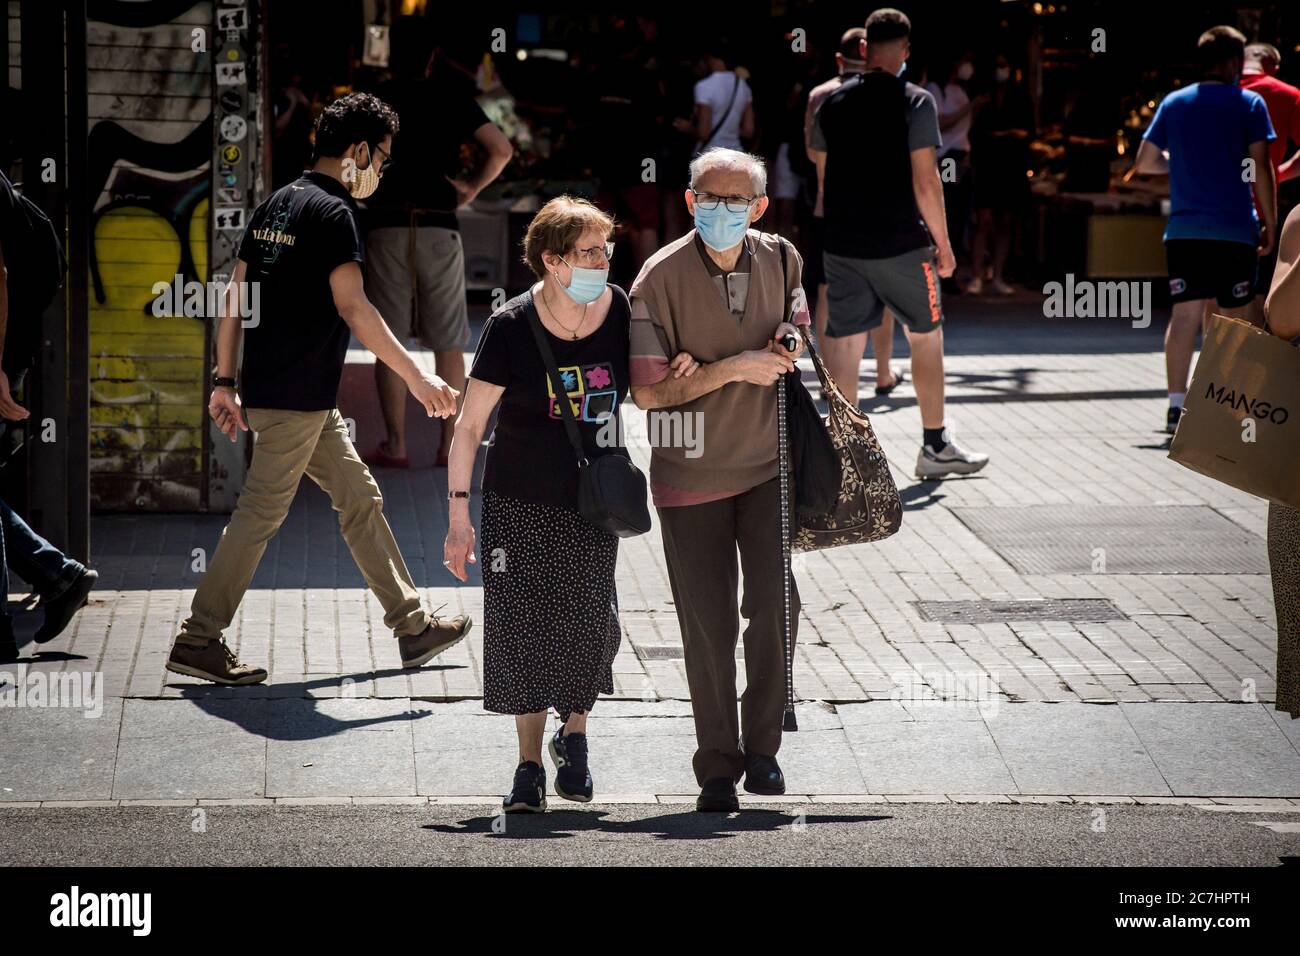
pixel 733 203
pixel 595 255
pixel 387 158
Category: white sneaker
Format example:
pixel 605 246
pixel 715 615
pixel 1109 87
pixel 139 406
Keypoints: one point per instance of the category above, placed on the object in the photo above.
pixel 953 460
pixel 975 286
pixel 1002 287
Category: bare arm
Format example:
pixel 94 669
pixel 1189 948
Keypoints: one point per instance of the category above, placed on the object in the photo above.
pixel 819 160
pixel 809 113
pixel 759 367
pixel 929 200
pixel 1282 306
pixel 230 329
pixel 1289 169
pixel 1265 195
pixel 368 325
pixel 678 391
pixel 498 152
pixel 224 406
pixel 747 122
pixel 480 399
pixel 1150 161
pixel 703 121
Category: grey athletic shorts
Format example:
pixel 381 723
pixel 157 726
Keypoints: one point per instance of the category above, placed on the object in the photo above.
pixel 426 302
pixel 859 290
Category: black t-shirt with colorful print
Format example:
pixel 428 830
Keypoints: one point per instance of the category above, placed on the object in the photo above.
pixel 529 457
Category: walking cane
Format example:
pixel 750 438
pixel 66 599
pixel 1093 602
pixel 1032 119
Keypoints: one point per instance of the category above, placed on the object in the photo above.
pixel 790 344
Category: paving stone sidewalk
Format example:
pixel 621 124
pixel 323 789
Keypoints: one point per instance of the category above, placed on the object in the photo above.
pixel 1082 568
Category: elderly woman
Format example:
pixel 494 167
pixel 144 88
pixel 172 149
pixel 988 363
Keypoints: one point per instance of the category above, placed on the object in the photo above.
pixel 551 626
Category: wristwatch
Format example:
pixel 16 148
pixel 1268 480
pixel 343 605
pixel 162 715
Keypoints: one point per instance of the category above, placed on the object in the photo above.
pixel 221 381
pixel 457 494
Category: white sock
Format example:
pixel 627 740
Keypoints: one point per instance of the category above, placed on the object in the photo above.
pixel 1176 399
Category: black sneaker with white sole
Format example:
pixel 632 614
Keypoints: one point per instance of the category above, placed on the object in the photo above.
pixel 572 776
pixel 952 459
pixel 528 795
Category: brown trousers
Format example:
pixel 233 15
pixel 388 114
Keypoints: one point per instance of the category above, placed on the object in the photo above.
pixel 700 545
pixel 288 445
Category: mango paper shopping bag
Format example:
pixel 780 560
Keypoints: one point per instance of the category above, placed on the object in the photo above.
pixel 1241 422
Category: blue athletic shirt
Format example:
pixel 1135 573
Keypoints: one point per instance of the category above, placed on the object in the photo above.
pixel 1208 128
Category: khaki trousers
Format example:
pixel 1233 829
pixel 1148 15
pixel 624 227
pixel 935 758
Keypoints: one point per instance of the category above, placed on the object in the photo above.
pixel 289 444
pixel 700 544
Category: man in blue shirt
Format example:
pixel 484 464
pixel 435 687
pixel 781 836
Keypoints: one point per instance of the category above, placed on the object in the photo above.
pixel 1212 139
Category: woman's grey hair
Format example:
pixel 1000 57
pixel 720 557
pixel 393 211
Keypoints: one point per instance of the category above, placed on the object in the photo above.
pixel 721 158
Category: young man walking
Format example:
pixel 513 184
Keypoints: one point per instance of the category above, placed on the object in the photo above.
pixel 303 247
pixel 723 294
pixel 886 244
pixel 1212 139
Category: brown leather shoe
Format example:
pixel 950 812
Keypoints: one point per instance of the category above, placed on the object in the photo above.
pixel 215 662
pixel 436 638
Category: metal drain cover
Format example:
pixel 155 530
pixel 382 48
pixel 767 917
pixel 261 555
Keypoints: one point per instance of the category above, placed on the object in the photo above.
pixel 1117 539
pixel 1075 610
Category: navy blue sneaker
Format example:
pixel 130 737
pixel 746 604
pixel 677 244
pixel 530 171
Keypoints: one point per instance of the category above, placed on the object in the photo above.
pixel 528 795
pixel 572 778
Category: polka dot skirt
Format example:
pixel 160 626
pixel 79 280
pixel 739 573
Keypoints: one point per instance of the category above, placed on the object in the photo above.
pixel 550 609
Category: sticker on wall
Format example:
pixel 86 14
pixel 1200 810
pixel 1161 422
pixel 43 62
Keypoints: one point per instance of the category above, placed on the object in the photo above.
pixel 233 129
pixel 232 74
pixel 226 194
pixel 229 218
pixel 231 154
pixel 235 18
pixel 231 101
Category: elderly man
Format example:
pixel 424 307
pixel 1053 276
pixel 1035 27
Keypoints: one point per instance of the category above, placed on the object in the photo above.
pixel 723 294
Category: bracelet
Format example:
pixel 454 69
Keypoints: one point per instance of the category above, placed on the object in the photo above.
pixel 457 494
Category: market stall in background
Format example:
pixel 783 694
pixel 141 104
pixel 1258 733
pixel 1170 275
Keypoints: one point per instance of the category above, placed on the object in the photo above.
pixel 183 139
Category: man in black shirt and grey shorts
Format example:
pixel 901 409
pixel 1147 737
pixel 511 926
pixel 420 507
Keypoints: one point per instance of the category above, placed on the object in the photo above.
pixel 886 240
pixel 415 262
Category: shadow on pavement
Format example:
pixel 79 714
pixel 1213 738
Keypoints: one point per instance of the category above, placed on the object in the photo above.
pixel 681 825
pixel 295 716
pixel 921 495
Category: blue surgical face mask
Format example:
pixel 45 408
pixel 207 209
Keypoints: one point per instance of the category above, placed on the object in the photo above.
pixel 721 229
pixel 586 285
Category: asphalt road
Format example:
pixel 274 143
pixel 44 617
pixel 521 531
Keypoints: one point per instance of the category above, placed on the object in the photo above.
pixel 791 835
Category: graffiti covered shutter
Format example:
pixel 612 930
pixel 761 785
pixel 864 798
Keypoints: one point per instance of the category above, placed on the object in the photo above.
pixel 150 148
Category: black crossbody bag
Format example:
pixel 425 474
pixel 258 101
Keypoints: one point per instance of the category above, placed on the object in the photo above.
pixel 611 490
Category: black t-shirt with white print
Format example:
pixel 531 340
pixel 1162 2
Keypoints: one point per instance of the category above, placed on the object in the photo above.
pixel 530 457
pixel 294 353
